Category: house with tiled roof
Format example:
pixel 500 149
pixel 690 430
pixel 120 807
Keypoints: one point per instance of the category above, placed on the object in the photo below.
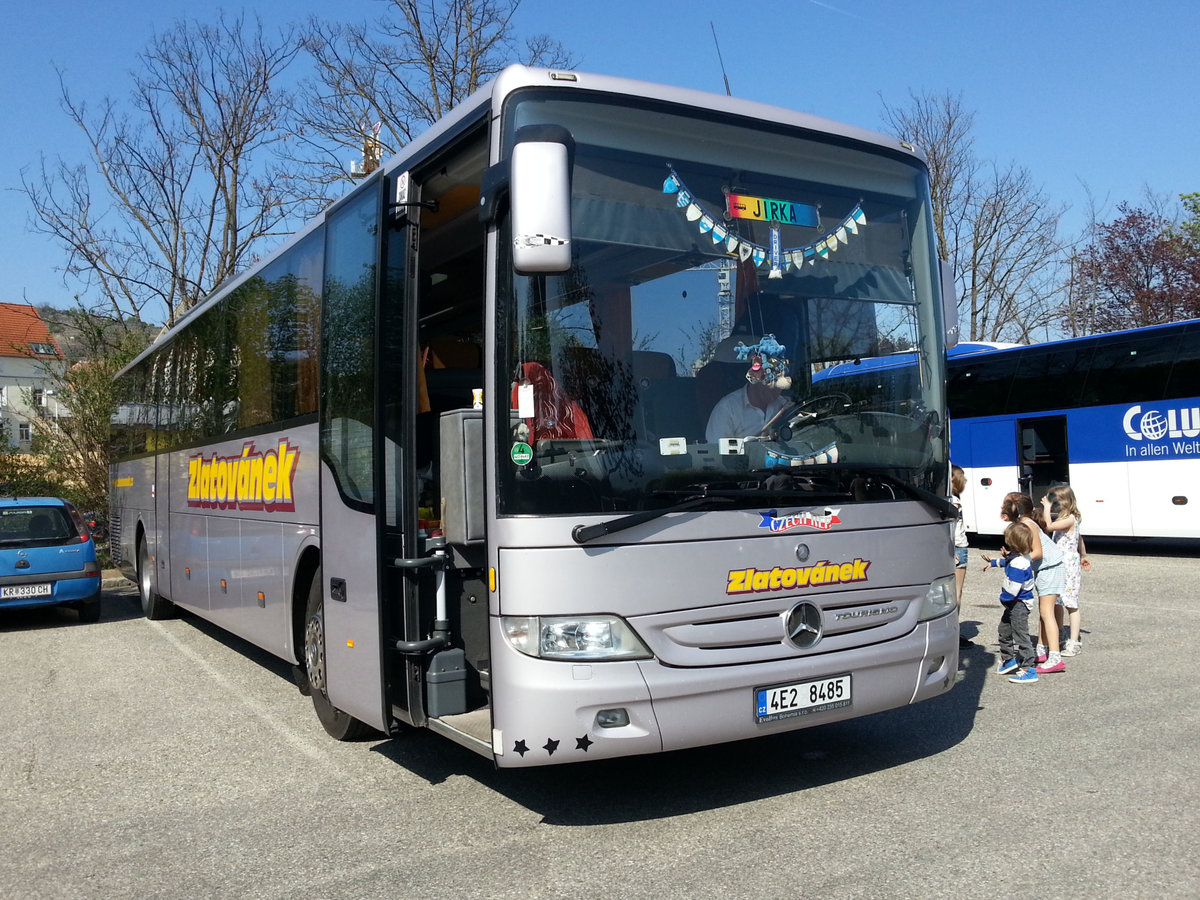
pixel 28 358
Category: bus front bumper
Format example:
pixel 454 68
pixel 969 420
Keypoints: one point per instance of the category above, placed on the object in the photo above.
pixel 549 712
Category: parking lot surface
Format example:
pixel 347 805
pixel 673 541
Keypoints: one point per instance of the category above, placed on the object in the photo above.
pixel 164 759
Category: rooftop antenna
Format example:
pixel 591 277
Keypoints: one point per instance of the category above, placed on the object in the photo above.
pixel 719 59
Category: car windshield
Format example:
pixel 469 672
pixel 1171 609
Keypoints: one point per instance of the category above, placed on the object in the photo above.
pixel 719 271
pixel 35 526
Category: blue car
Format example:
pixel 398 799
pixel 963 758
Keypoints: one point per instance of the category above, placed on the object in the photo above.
pixel 47 557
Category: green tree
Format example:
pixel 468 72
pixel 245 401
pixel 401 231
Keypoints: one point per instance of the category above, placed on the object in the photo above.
pixel 74 446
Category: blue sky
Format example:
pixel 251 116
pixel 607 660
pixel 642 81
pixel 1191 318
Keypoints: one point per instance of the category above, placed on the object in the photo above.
pixel 1095 96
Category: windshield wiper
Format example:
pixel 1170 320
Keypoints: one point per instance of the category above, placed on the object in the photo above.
pixel 942 504
pixel 581 534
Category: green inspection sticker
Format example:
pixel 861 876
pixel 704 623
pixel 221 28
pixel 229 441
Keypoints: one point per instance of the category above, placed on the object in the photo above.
pixel 521 453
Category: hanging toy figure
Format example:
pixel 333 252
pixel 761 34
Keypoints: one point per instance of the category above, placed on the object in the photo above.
pixel 768 365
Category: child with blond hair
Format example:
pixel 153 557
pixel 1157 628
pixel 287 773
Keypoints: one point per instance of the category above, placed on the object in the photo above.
pixel 1061 511
pixel 1017 655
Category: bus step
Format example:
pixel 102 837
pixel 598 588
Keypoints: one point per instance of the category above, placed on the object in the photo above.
pixel 472 730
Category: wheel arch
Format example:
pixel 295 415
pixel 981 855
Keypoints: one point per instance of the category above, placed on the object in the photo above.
pixel 307 567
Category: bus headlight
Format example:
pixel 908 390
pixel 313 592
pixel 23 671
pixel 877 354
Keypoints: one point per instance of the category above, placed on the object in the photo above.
pixel 939 599
pixel 594 638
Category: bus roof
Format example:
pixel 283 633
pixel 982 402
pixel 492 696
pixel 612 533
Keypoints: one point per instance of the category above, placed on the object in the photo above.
pixel 518 77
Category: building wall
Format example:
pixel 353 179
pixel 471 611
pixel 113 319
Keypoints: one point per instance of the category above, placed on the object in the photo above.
pixel 19 377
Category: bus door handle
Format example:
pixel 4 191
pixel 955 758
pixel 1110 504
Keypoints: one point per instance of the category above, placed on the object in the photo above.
pixel 337 589
pixel 439 562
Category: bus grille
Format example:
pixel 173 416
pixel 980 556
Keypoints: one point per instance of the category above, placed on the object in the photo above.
pixel 754 632
pixel 114 538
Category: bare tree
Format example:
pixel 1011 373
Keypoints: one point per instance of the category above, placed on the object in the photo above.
pixel 993 224
pixel 186 190
pixel 1011 267
pixel 378 85
pixel 941 127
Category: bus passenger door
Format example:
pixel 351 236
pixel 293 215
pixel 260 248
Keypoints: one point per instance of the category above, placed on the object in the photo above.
pixel 404 451
pixel 349 637
pixel 1042 450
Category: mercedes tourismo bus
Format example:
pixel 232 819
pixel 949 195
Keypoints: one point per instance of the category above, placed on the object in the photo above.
pixel 447 450
pixel 1117 416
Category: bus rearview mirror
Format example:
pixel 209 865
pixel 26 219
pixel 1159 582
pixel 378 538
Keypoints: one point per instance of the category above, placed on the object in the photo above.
pixel 949 304
pixel 540 194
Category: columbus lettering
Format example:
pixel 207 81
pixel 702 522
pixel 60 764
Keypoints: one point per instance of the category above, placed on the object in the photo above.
pixel 251 481
pixel 757 581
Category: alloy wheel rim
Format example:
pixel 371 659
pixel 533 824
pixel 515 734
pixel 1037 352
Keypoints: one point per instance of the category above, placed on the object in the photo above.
pixel 314 652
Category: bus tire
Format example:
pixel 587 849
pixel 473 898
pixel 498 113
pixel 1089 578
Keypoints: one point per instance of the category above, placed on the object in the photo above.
pixel 154 605
pixel 339 725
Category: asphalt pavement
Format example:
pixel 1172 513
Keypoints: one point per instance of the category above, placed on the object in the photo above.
pixel 165 759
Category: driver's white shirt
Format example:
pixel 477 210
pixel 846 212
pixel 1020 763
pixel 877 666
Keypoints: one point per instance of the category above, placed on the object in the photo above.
pixel 734 416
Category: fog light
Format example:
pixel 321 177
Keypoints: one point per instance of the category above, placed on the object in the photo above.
pixel 934 664
pixel 612 718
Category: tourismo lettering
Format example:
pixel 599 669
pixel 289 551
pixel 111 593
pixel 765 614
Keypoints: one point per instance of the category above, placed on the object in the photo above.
pixel 776 523
pixel 756 581
pixel 251 481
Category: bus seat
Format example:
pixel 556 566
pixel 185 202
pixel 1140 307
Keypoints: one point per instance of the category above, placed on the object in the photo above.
pixel 724 373
pixel 451 353
pixel 649 365
pixel 668 407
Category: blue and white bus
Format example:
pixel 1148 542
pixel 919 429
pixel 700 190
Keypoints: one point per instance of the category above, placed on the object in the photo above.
pixel 443 450
pixel 1117 416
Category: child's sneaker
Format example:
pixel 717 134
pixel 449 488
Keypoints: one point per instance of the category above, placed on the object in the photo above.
pixel 1048 668
pixel 1071 648
pixel 1041 653
pixel 1025 676
pixel 1009 665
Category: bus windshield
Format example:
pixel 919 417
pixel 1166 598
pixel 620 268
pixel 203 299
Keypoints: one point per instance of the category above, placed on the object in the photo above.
pixel 718 269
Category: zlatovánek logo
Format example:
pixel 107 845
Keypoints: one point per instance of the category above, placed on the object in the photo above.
pixel 253 480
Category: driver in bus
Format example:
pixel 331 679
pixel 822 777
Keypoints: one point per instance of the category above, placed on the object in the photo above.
pixel 748 409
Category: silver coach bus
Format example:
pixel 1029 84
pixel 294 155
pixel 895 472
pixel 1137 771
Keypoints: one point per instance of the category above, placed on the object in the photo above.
pixel 519 442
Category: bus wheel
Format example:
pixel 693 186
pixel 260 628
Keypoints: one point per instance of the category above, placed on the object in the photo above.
pixel 340 725
pixel 154 605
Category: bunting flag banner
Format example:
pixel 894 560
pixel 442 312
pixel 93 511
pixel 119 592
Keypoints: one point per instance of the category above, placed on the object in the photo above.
pixel 775 213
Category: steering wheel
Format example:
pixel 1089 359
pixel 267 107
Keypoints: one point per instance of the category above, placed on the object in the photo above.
pixel 811 410
pixel 820 406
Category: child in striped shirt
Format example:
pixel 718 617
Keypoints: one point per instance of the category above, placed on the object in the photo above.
pixel 1017 597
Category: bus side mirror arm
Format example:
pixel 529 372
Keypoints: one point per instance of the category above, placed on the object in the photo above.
pixel 493 191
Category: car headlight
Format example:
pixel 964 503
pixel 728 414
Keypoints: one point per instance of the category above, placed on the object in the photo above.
pixel 940 598
pixel 594 638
